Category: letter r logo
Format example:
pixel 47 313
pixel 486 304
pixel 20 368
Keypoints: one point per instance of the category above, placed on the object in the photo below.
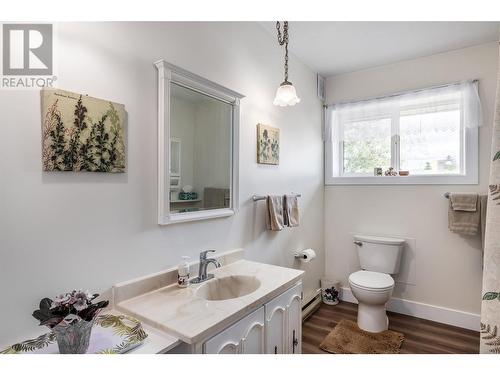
pixel 27 49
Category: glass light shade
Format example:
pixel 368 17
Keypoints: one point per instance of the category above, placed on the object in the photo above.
pixel 286 95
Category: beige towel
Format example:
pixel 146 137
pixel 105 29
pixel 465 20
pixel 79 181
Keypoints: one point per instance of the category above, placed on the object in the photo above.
pixel 291 210
pixel 464 201
pixel 464 222
pixel 275 219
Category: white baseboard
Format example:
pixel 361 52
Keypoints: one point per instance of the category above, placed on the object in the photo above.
pixel 424 311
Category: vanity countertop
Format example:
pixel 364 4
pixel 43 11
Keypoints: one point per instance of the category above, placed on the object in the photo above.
pixel 181 313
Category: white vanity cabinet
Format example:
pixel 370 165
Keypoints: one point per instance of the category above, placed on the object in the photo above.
pixel 275 328
pixel 284 323
pixel 247 336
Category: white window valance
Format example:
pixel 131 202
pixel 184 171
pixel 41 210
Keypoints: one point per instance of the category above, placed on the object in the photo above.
pixel 462 95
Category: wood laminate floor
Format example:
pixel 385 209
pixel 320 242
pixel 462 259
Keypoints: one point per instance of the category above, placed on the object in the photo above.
pixel 421 336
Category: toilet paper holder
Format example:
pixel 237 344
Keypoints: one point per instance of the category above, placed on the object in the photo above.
pixel 305 255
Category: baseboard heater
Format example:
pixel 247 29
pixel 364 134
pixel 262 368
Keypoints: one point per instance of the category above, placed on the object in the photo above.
pixel 311 304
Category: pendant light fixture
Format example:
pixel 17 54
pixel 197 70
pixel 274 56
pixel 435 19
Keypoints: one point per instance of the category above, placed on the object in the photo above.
pixel 285 94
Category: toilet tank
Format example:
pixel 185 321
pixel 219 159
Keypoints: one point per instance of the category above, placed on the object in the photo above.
pixel 379 254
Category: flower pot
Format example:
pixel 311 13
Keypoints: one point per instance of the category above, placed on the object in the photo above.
pixel 73 338
pixel 330 291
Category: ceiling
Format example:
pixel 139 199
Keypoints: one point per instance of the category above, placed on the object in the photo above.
pixel 332 48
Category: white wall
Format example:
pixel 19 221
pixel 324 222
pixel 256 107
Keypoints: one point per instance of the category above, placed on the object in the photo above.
pixel 60 231
pixel 446 266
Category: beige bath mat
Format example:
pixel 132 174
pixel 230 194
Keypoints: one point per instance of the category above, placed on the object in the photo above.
pixel 347 338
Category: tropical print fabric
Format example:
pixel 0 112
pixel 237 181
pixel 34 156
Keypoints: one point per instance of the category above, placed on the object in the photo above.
pixel 490 308
pixel 112 334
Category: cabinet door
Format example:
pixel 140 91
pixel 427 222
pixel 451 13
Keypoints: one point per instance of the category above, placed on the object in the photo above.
pixel 284 322
pixel 276 326
pixel 244 337
pixel 294 323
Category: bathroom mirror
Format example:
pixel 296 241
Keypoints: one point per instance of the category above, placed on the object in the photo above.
pixel 198 124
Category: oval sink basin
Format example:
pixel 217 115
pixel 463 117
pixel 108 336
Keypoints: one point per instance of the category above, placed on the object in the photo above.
pixel 228 287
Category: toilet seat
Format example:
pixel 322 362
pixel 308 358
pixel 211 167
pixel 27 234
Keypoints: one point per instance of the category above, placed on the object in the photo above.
pixel 372 281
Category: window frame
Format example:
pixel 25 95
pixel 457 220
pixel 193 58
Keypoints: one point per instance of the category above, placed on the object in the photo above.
pixel 469 155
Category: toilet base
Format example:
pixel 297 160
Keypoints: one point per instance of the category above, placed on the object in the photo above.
pixel 372 318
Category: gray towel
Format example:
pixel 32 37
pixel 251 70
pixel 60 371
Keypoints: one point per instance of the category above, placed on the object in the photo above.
pixel 275 219
pixel 464 201
pixel 291 210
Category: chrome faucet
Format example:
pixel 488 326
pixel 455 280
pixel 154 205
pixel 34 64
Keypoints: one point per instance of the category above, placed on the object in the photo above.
pixel 204 262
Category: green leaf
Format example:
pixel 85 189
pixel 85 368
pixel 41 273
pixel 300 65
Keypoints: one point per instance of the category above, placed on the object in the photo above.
pixel 45 304
pixel 497 156
pixel 490 296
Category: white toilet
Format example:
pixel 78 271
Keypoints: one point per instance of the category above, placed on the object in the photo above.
pixel 372 286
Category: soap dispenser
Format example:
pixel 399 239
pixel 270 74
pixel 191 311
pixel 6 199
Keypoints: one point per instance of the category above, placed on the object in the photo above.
pixel 183 273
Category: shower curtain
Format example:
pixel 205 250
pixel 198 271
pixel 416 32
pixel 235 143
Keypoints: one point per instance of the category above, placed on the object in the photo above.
pixel 490 308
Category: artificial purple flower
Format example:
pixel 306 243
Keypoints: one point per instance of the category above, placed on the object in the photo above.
pixel 79 295
pixel 62 299
pixel 81 300
pixel 68 305
pixel 80 305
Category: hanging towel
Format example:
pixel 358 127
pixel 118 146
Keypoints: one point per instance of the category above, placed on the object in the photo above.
pixel 464 221
pixel 275 219
pixel 291 210
pixel 464 201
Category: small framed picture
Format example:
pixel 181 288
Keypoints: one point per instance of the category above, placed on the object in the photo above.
pixel 268 145
pixel 377 171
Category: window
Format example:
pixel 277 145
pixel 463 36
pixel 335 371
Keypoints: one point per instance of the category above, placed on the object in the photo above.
pixel 431 133
pixel 367 144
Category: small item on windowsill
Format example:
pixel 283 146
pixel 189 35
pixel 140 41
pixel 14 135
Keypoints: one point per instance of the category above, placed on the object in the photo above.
pixel 391 172
pixel 404 173
pixel 377 171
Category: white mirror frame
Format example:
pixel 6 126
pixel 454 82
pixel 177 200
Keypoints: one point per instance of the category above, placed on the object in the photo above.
pixel 167 74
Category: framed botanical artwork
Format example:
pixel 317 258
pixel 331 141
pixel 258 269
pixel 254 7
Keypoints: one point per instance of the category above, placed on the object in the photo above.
pixel 81 133
pixel 268 145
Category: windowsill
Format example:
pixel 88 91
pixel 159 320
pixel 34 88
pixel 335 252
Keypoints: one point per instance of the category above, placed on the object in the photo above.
pixel 404 180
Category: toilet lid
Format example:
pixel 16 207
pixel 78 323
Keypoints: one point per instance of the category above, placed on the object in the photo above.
pixel 371 280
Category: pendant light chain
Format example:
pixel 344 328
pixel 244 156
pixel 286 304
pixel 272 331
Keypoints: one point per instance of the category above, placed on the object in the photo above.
pixel 283 40
pixel 286 95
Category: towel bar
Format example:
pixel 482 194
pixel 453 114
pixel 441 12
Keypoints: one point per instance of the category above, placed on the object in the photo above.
pixel 256 198
pixel 447 195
